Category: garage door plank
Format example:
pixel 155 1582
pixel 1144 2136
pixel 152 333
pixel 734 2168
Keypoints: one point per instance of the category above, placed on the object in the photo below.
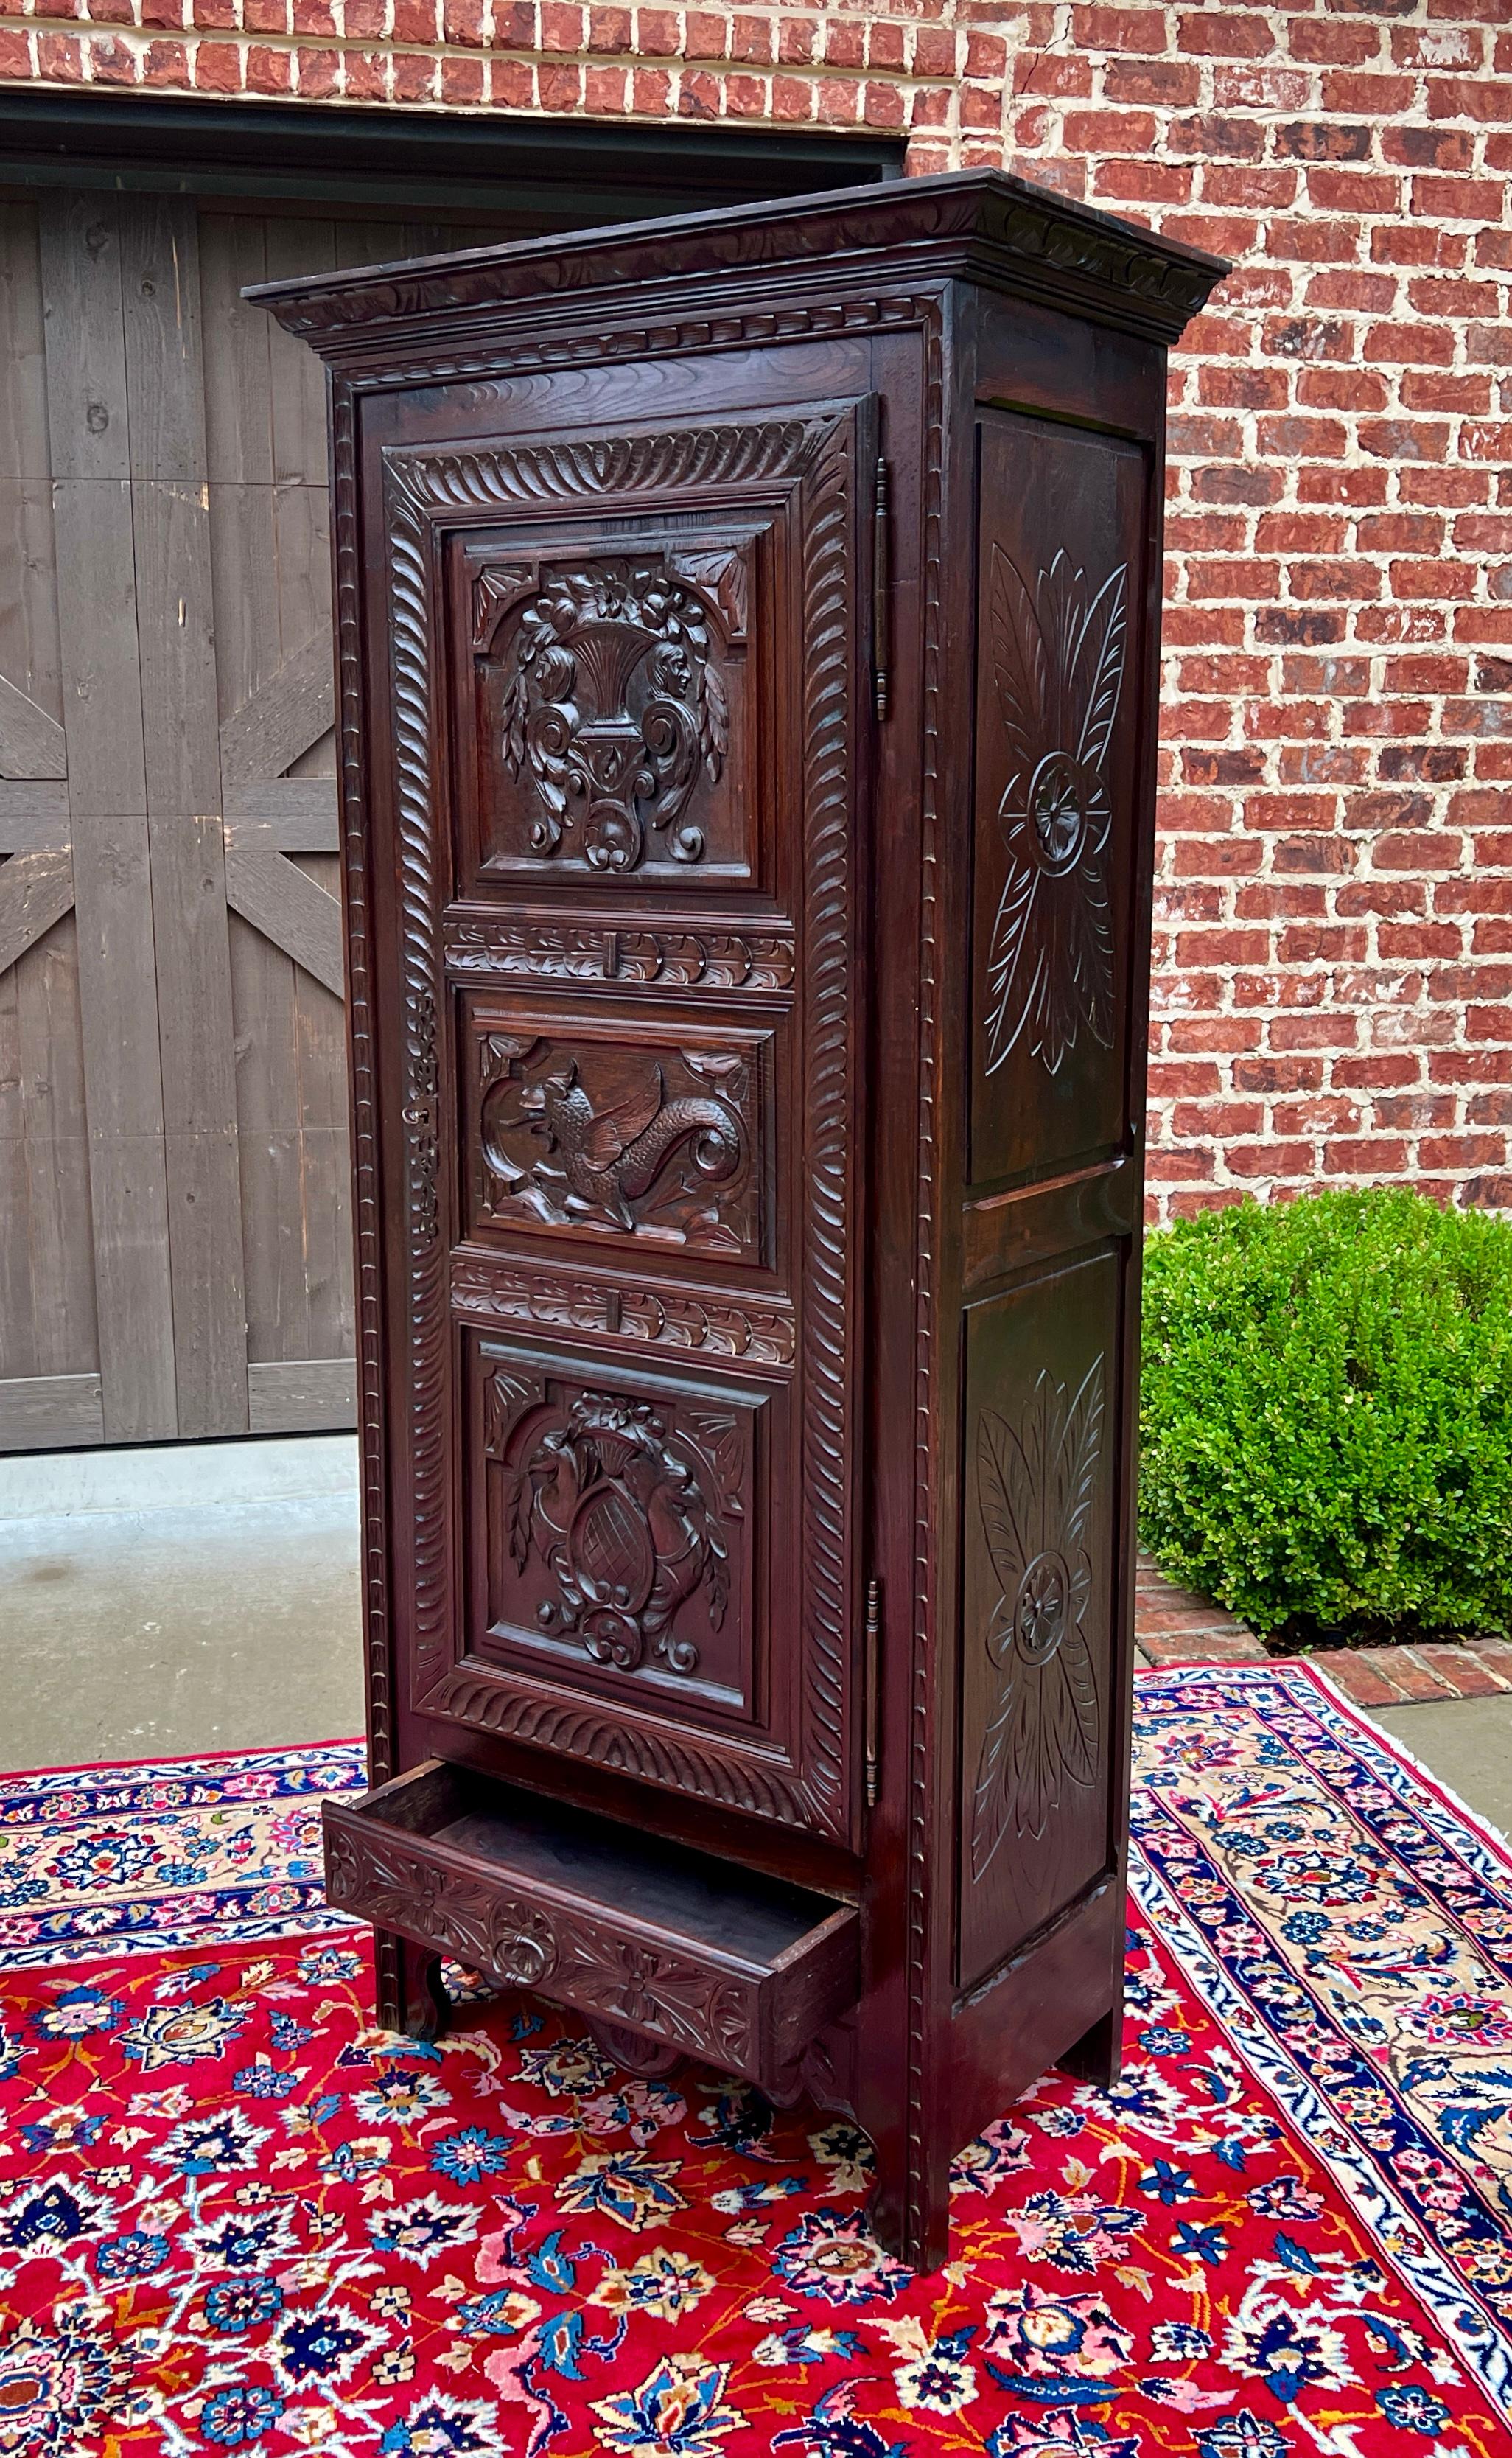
pixel 87 419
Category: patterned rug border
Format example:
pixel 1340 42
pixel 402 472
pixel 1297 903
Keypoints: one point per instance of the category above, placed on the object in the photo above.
pixel 223 1849
pixel 1404 2234
pixel 154 1920
pixel 1475 2333
pixel 1393 1753
pixel 275 1752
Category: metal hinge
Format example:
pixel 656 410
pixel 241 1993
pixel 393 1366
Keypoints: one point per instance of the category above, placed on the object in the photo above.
pixel 874 1690
pixel 882 589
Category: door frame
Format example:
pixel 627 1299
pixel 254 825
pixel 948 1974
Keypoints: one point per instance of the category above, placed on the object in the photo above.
pixel 561 173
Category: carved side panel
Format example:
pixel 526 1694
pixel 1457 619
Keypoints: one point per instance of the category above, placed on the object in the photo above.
pixel 1060 584
pixel 617 1528
pixel 642 1134
pixel 1037 1502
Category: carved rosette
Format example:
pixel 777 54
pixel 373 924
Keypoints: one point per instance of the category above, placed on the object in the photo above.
pixel 1036 1486
pixel 1058 652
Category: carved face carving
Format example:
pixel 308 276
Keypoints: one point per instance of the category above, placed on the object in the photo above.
pixel 611 706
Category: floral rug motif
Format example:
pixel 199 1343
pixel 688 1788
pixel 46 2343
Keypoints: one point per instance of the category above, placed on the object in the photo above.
pixel 234 2216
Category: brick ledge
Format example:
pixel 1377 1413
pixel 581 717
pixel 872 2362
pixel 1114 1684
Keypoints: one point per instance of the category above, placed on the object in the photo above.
pixel 1172 1626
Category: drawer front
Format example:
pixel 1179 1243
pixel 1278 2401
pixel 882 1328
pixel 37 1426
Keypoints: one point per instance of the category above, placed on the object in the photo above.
pixel 628 681
pixel 745 2016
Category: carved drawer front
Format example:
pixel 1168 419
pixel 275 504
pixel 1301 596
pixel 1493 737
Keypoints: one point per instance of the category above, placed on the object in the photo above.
pixel 653 1134
pixel 693 1952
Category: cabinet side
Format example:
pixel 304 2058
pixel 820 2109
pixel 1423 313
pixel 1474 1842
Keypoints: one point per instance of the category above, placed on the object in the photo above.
pixel 1060 539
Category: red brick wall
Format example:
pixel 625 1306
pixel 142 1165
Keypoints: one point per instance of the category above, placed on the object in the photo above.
pixel 1334 957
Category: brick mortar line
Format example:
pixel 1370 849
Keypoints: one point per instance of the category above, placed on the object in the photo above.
pixel 1062 48
pixel 234 37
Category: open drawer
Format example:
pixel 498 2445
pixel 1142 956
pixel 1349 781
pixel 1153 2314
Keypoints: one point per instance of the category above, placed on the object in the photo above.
pixel 692 1952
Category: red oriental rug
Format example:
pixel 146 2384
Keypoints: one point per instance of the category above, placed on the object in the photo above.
pixel 234 2216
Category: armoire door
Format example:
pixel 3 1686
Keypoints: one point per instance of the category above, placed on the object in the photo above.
pixel 625 668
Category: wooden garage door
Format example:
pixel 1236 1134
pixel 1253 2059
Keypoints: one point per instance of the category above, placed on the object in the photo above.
pixel 174 1198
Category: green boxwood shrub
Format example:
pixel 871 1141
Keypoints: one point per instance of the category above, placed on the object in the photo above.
pixel 1327 1415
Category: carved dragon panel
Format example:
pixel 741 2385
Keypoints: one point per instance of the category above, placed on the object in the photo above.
pixel 600 1136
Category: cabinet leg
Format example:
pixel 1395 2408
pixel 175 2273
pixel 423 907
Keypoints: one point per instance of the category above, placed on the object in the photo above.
pixel 910 2209
pixel 410 1996
pixel 1098 2055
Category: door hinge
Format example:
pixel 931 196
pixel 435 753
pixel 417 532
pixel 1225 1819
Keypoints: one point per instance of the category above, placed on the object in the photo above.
pixel 882 589
pixel 874 1690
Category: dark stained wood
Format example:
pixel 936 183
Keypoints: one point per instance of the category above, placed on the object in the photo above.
pixel 747 1094
pixel 686 1952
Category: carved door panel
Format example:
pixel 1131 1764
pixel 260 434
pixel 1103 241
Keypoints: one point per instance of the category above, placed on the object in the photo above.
pixel 630 961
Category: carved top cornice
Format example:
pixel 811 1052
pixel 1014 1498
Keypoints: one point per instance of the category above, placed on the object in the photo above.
pixel 983 226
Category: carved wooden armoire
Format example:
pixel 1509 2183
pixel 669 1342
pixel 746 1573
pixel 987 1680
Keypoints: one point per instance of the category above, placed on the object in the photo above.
pixel 747 677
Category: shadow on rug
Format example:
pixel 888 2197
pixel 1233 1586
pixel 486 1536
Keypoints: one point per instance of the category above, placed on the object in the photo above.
pixel 234 2216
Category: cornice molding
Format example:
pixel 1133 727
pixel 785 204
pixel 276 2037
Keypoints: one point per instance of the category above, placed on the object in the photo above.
pixel 983 225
